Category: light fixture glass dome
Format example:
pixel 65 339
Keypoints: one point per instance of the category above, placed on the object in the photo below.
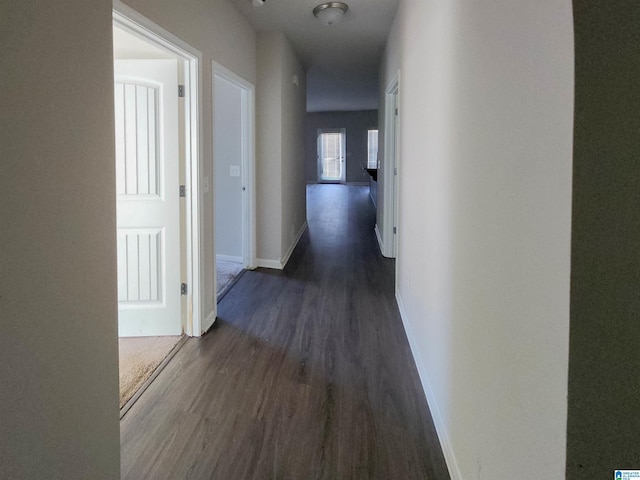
pixel 330 13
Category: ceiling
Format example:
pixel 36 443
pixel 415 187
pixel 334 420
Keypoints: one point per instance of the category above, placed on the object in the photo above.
pixel 341 60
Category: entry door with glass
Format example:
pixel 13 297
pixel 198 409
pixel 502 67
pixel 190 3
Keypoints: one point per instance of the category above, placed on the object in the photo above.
pixel 331 155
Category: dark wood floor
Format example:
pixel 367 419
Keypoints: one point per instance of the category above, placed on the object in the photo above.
pixel 306 375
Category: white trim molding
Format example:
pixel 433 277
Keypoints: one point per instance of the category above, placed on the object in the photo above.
pixel 209 321
pixel 441 429
pixel 266 263
pixel 294 244
pixel 377 230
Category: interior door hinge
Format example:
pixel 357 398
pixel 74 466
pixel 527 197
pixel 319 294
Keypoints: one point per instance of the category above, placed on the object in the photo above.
pixel 181 91
pixel 183 191
pixel 395 229
pixel 183 289
pixel 396 112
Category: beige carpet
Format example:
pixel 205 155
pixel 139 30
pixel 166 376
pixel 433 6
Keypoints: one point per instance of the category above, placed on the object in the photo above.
pixel 139 357
pixel 227 274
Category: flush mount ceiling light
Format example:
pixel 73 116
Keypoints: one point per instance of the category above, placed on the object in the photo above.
pixel 258 3
pixel 331 12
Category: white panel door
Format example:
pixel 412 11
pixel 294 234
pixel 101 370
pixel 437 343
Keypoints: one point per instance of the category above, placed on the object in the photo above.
pixel 147 188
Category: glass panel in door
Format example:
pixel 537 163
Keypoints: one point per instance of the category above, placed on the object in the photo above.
pixel 331 155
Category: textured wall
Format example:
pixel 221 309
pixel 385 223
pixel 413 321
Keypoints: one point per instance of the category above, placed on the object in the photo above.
pixel 58 301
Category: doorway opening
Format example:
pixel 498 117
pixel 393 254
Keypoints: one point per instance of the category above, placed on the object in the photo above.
pixel 234 173
pixel 157 165
pixel 332 144
pixel 390 165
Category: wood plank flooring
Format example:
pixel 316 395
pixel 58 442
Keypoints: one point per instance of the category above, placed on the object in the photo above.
pixel 307 373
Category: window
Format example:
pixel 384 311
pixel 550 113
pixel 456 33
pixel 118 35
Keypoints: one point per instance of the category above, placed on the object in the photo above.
pixel 372 142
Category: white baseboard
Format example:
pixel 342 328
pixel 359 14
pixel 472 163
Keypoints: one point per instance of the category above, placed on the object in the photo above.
pixel 441 429
pixel 208 322
pixel 229 258
pixel 293 245
pixel 379 237
pixel 279 265
pixel 266 263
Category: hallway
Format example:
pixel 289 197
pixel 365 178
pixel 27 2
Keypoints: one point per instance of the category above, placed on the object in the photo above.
pixel 307 373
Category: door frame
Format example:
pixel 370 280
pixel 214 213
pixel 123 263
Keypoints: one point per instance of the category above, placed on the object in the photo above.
pixel 343 168
pixel 390 167
pixel 248 161
pixel 124 17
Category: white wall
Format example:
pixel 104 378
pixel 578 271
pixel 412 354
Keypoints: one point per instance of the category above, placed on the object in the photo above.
pixel 268 147
pixel 486 103
pixel 227 152
pixel 128 46
pixel 215 27
pixel 294 190
pixel 58 300
pixel 280 119
pixel 222 34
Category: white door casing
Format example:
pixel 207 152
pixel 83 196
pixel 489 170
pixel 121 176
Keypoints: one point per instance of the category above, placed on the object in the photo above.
pixel 247 171
pixel 147 189
pixel 390 169
pixel 396 145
